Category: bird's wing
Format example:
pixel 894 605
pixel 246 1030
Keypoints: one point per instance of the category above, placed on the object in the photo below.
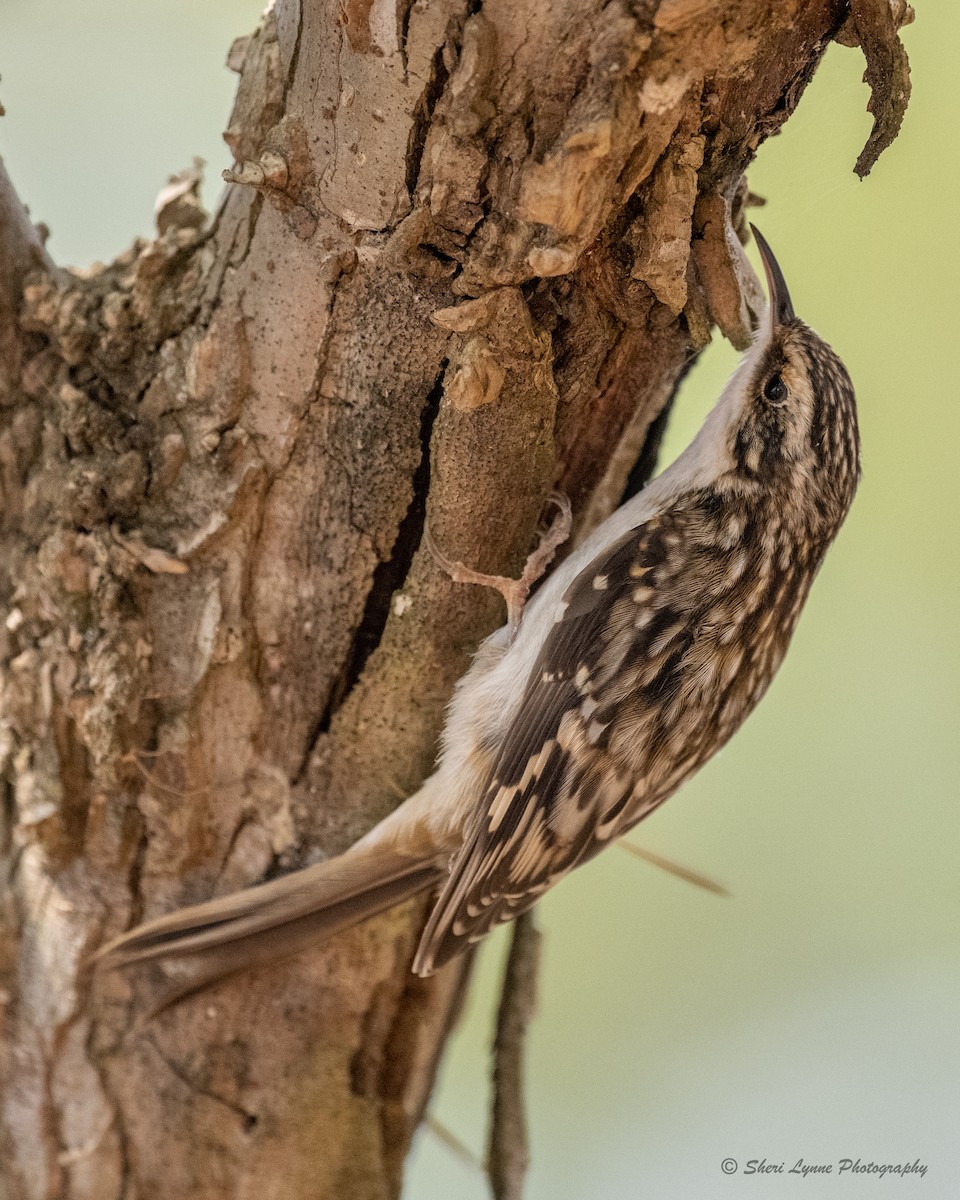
pixel 559 790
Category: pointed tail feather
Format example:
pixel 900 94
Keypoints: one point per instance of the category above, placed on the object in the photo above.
pixel 272 920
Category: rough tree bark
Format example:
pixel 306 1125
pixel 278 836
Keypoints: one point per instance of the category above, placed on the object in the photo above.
pixel 468 252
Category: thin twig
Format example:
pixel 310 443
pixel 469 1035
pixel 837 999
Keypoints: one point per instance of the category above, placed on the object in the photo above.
pixel 674 868
pixel 507 1154
pixel 446 1137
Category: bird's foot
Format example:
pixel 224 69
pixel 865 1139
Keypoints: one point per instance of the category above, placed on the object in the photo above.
pixel 514 591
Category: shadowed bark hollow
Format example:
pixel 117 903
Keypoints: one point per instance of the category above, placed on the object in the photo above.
pixel 467 252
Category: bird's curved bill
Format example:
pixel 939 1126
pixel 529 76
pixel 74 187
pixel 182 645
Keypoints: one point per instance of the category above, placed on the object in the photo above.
pixel 781 306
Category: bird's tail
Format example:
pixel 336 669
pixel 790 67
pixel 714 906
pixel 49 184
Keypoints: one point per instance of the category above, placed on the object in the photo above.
pixel 255 926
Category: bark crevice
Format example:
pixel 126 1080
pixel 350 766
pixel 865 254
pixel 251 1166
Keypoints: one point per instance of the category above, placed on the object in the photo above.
pixel 388 575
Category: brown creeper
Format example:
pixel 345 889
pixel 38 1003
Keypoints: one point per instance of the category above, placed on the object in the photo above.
pixel 633 664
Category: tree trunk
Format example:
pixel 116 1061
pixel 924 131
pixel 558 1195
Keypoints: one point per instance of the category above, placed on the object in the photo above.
pixel 469 250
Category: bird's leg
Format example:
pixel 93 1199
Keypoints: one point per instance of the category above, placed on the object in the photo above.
pixel 514 591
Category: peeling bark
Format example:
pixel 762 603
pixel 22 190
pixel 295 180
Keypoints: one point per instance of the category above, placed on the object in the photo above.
pixel 874 25
pixel 467 253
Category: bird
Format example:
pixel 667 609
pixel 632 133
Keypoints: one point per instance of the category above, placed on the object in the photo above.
pixel 632 664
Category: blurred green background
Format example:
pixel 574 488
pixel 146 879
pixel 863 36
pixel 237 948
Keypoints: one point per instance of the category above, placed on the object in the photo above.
pixel 816 1013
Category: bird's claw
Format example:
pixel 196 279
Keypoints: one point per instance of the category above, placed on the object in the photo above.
pixel 514 591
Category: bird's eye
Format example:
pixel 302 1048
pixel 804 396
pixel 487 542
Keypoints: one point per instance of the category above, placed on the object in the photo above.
pixel 775 390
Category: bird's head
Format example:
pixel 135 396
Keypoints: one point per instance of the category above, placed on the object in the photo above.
pixel 791 424
pixel 785 428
